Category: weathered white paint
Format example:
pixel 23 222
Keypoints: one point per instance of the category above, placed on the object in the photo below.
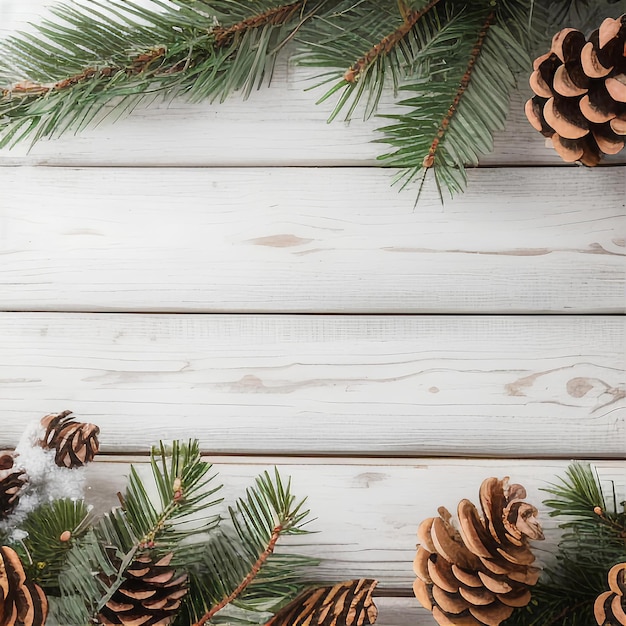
pixel 310 240
pixel 445 385
pixel 367 511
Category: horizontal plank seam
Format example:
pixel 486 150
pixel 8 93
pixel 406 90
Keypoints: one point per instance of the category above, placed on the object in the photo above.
pixel 313 164
pixel 330 313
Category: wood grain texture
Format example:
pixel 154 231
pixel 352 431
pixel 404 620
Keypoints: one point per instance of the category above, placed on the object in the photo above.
pixel 506 386
pixel 276 126
pixel 310 240
pixel 367 511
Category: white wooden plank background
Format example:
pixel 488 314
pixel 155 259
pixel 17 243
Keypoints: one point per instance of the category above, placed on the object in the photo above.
pixel 242 208
pixel 504 386
pixel 310 240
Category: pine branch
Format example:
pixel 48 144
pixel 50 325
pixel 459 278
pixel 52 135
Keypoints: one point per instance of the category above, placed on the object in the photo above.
pixel 368 31
pixel 250 576
pixel 117 53
pixel 240 566
pixel 388 43
pixel 51 530
pixel 97 566
pixel 179 475
pixel 457 108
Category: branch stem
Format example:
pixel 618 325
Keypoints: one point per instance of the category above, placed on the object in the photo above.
pixel 429 159
pixel 387 44
pixel 252 574
pixel 140 64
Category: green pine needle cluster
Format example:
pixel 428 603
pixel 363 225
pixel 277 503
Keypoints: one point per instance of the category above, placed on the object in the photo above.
pixel 594 539
pixel 234 563
pixel 118 53
pixel 50 531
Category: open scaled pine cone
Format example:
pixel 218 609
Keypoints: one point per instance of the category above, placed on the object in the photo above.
pixel 478 575
pixel 76 443
pixel 150 594
pixel 580 92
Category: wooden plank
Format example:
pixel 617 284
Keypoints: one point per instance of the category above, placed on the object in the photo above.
pixel 367 511
pixel 444 385
pixel 310 240
pixel 402 612
pixel 279 126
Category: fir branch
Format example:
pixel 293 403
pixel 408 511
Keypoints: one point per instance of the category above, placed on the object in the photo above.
pixel 388 43
pixel 394 51
pixel 115 54
pixel 51 530
pixel 252 574
pixel 429 159
pixel 97 565
pixel 240 566
pixel 179 474
pixel 462 98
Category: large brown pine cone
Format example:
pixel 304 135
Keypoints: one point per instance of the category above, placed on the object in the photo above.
pixel 11 482
pixel 478 575
pixel 610 606
pixel 22 602
pixel 150 595
pixel 76 443
pixel 580 92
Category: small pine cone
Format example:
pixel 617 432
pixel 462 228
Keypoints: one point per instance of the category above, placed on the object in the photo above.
pixel 11 483
pixel 76 443
pixel 22 602
pixel 580 93
pixel 478 575
pixel 610 606
pixel 150 595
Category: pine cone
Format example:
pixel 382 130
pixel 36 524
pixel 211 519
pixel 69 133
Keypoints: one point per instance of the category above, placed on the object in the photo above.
pixel 478 575
pixel 150 596
pixel 22 602
pixel 610 606
pixel 580 87
pixel 76 443
pixel 11 482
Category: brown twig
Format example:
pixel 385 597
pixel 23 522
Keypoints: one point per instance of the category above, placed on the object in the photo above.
pixel 140 64
pixel 275 16
pixel 387 44
pixel 429 159
pixel 252 574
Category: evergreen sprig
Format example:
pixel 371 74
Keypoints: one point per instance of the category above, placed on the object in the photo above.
pixel 117 53
pixel 239 565
pixel 96 566
pixel 594 539
pixel 232 564
pixel 49 533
